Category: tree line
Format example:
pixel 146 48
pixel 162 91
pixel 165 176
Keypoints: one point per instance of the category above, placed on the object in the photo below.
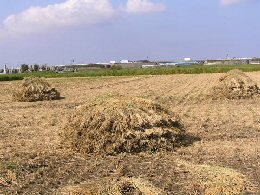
pixel 33 68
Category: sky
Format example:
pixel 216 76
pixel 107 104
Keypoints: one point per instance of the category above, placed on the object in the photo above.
pixel 88 31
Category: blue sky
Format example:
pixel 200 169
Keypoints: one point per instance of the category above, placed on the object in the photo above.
pixel 56 31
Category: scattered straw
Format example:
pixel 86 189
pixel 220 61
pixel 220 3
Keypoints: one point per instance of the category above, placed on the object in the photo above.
pixel 112 186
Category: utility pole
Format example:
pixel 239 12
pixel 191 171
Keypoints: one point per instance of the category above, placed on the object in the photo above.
pixel 227 56
pixel 72 61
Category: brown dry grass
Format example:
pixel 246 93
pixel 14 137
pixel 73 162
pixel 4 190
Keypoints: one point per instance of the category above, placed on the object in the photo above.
pixel 35 89
pixel 117 125
pixel 32 160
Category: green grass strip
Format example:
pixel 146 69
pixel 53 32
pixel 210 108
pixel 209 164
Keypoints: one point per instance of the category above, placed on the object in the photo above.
pixel 198 69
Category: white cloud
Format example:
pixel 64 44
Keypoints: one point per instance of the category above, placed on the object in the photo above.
pixel 70 13
pixel 232 2
pixel 55 16
pixel 144 6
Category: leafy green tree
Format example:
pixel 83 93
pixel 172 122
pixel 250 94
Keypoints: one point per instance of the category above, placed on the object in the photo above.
pixel 24 68
pixel 44 67
pixel 36 67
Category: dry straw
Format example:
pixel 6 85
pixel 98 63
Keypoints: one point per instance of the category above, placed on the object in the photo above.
pixel 235 85
pixel 112 186
pixel 35 89
pixel 204 179
pixel 123 125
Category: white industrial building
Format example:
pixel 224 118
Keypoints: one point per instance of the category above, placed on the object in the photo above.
pixel 10 70
pixel 125 62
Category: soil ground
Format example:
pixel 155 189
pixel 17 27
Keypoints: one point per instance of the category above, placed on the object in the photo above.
pixel 225 133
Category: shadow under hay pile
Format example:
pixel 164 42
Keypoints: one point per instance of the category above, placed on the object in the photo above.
pixel 115 126
pixel 235 85
pixel 35 89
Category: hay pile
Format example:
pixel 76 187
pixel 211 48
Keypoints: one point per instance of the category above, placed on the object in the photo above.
pixel 235 85
pixel 115 126
pixel 35 89
pixel 112 186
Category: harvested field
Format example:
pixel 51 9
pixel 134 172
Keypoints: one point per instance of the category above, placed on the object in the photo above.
pixel 223 156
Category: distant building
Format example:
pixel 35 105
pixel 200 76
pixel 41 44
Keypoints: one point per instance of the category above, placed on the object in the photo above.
pixel 7 70
pixel 181 63
pixel 168 63
pixel 149 66
pixel 255 61
pixel 125 62
pixel 187 59
pixel 102 63
pixel 112 62
pixel 227 62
